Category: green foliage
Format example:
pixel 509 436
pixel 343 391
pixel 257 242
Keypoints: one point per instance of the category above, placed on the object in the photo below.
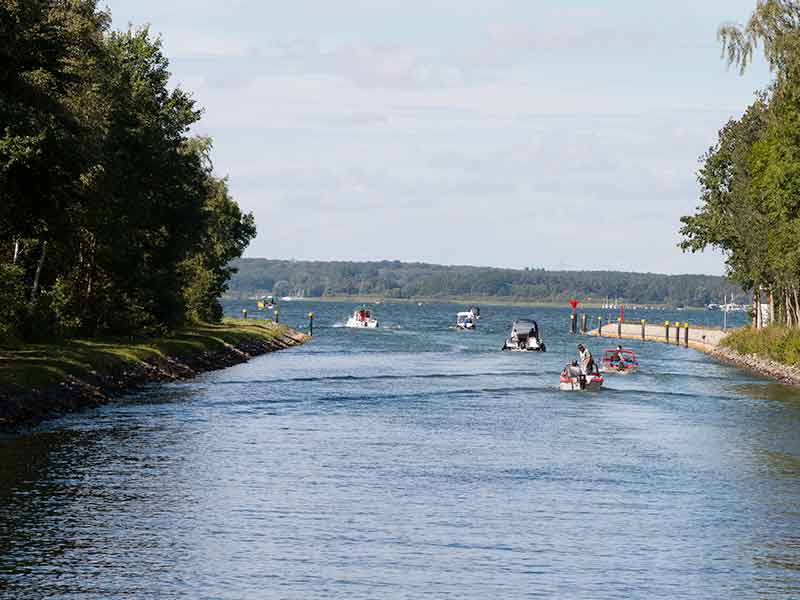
pixel 96 164
pixel 12 299
pixel 750 180
pixel 781 344
pixel 393 279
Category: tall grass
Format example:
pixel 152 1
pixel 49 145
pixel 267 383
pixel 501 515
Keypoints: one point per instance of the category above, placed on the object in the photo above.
pixel 778 343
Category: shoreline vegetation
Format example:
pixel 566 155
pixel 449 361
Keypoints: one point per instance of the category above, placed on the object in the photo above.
pixel 116 232
pixel 466 300
pixel 113 221
pixel 773 352
pixel 396 280
pixel 749 181
pixel 43 381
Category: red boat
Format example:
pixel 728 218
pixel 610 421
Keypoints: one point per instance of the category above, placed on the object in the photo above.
pixel 619 360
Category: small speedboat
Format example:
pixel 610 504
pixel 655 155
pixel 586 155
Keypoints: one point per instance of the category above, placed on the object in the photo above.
pixel 573 379
pixel 619 360
pixel 361 319
pixel 266 303
pixel 465 320
pixel 524 337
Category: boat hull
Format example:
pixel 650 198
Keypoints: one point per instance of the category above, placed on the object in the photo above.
pixel 356 324
pixel 510 346
pixel 615 371
pixel 574 385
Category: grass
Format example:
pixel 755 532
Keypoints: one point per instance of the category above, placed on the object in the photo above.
pixel 36 366
pixel 778 343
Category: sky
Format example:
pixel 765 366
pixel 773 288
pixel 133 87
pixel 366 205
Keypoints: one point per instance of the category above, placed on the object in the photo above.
pixel 563 134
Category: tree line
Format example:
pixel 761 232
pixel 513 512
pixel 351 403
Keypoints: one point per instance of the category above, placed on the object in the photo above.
pixel 750 178
pixel 111 220
pixel 394 279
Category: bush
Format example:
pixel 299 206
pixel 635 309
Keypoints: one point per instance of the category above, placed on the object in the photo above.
pixel 778 343
pixel 12 301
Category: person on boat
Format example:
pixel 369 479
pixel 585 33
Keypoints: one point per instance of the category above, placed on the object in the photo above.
pixel 574 371
pixel 586 360
pixel 616 355
pixel 618 358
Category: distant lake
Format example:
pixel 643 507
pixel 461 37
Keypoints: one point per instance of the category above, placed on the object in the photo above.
pixel 415 461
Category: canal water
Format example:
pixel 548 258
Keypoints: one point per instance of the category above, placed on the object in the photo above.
pixel 414 461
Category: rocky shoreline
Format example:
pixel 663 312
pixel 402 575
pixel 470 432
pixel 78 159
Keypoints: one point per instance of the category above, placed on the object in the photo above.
pixel 765 367
pixel 18 410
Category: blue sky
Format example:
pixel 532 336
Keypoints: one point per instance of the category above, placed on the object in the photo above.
pixel 508 133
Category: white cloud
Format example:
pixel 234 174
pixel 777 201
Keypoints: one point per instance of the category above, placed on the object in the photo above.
pixel 440 131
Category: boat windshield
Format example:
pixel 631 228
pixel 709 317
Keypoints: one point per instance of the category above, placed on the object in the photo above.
pixel 525 326
pixel 627 356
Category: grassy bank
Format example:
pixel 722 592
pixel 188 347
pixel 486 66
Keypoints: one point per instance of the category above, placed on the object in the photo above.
pixel 775 343
pixel 38 366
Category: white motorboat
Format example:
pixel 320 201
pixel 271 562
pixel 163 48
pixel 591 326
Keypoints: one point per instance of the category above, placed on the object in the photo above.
pixel 362 318
pixel 465 320
pixel 573 379
pixel 524 337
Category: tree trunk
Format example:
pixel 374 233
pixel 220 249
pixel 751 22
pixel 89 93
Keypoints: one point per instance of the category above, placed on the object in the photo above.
pixel 796 307
pixel 35 288
pixel 771 313
pixel 16 251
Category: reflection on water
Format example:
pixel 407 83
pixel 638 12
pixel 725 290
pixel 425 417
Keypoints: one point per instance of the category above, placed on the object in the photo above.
pixel 774 392
pixel 414 461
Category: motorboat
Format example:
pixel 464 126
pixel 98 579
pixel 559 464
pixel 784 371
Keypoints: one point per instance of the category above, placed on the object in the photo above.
pixel 266 303
pixel 573 379
pixel 361 318
pixel 524 337
pixel 465 320
pixel 619 360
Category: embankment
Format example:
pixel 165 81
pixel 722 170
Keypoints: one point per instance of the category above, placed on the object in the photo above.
pixel 42 381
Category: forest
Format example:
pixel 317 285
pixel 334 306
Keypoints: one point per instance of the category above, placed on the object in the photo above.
pixel 750 178
pixel 394 279
pixel 111 220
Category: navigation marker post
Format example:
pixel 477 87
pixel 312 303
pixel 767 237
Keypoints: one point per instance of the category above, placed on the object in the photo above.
pixel 573 324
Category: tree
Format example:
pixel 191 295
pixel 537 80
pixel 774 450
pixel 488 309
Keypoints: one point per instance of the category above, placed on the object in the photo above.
pixel 750 181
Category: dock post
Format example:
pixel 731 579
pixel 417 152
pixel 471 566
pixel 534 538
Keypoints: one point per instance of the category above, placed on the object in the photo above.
pixel 573 324
pixel 686 334
pixel 619 328
pixel 276 316
pixel 600 326
pixel 311 324
pixel 666 331
pixel 644 328
pixel 244 313
pixel 583 323
pixel 678 333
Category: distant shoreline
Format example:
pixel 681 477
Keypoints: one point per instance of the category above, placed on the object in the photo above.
pixel 475 300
